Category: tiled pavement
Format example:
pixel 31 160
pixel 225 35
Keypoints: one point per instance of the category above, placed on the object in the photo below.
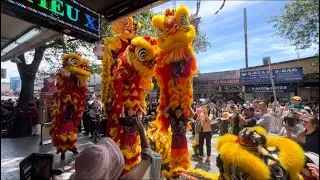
pixel 15 150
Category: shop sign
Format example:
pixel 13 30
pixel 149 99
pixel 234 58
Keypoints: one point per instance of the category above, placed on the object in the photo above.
pixel 279 75
pixel 288 74
pixel 224 82
pixel 66 14
pixel 279 88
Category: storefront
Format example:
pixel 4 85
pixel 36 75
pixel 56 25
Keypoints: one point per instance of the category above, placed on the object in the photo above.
pixel 258 84
pixel 217 85
pixel 284 92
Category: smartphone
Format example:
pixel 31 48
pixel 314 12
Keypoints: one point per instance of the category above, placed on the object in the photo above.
pixel 289 121
pixel 36 167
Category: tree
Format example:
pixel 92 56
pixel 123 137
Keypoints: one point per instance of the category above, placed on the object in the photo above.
pixel 299 23
pixel 27 74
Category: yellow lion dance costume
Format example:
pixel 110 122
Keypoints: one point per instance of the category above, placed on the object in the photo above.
pixel 69 101
pixel 255 155
pixel 175 68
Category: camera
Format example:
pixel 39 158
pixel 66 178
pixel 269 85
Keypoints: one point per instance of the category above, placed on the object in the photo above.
pixel 289 120
pixel 146 119
pixel 127 121
pixel 37 167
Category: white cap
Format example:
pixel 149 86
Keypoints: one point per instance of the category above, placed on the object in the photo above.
pixel 313 157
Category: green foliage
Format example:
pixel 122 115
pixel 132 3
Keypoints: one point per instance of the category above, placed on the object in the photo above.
pixel 67 44
pixel 299 23
pixel 146 26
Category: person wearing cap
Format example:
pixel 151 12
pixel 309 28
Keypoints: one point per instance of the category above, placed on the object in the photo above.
pixel 224 123
pixel 105 160
pixel 296 103
pixel 311 168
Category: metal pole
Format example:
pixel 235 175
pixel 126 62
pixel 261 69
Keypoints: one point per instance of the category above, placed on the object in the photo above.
pixel 245 36
pixel 272 83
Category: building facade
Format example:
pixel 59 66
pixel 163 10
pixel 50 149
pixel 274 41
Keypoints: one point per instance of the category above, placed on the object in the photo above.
pixel 15 84
pixel 217 85
pixel 294 77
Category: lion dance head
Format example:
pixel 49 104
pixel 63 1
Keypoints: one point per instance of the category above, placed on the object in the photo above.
pixel 125 28
pixel 141 54
pixel 173 28
pixel 74 64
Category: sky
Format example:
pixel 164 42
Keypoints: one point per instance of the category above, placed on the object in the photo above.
pixel 225 32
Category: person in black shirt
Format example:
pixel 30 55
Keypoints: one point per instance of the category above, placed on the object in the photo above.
pixel 309 137
pixel 179 143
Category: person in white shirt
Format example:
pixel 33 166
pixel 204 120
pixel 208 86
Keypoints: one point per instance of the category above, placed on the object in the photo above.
pixel 265 117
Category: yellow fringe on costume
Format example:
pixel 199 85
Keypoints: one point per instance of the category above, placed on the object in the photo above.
pixel 162 142
pixel 291 155
pixel 204 174
pixel 179 158
pixel 233 154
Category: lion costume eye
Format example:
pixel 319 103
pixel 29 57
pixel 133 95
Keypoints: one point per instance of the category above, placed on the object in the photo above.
pixel 141 54
pixel 125 22
pixel 73 62
pixel 184 20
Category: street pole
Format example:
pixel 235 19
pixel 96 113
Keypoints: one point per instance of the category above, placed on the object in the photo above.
pixel 245 36
pixel 272 83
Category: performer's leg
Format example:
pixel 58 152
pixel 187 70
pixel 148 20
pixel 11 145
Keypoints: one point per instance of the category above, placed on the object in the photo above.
pixel 63 156
pixel 208 137
pixel 38 129
pixel 34 130
pixel 201 142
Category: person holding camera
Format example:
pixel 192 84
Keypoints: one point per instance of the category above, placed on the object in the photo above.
pixel 206 132
pixel 242 120
pixel 106 161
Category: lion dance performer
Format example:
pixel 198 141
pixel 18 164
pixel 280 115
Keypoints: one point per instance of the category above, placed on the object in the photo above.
pixel 128 68
pixel 124 30
pixel 69 101
pixel 175 68
pixel 133 81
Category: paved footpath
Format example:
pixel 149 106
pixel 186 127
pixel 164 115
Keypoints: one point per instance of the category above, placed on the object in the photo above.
pixel 14 150
pixel 208 166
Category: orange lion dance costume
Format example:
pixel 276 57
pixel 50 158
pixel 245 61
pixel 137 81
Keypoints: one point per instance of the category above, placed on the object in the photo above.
pixel 175 68
pixel 69 101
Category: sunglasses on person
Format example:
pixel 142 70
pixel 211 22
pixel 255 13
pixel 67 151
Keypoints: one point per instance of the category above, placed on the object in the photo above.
pixel 305 121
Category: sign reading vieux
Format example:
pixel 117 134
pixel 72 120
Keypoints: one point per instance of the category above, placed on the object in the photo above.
pixel 83 22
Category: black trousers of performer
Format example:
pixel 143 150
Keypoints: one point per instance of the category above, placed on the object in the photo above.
pixel 205 136
pixel 86 124
pixel 103 125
